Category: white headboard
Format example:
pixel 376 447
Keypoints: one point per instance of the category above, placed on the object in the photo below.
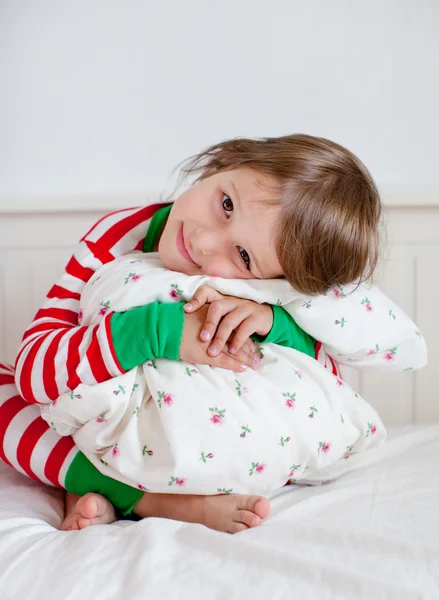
pixel 37 237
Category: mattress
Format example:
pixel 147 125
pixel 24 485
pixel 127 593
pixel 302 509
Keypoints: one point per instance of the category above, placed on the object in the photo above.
pixel 371 532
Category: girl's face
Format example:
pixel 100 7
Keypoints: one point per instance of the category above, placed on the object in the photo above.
pixel 216 228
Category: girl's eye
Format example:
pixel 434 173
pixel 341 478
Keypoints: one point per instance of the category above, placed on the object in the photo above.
pixel 228 207
pixel 227 203
pixel 245 257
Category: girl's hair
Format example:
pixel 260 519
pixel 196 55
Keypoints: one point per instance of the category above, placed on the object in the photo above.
pixel 327 233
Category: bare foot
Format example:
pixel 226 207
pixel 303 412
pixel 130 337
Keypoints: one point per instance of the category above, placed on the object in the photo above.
pixel 235 512
pixel 230 513
pixel 91 509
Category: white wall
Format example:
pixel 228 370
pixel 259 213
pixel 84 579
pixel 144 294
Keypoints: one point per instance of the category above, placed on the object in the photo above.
pixel 105 96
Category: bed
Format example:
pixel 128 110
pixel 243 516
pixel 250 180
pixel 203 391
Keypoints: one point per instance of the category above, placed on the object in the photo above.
pixel 372 532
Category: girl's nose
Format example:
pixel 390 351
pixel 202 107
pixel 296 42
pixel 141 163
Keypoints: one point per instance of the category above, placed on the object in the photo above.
pixel 207 241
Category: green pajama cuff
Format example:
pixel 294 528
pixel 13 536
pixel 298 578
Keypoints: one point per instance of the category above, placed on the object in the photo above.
pixel 83 477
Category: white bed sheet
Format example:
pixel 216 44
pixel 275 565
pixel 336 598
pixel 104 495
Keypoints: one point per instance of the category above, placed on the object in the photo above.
pixel 371 533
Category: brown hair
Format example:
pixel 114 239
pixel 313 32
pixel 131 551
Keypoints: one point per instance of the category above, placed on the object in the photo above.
pixel 327 233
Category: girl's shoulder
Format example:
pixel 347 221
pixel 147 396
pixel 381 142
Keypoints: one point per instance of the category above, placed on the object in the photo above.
pixel 119 223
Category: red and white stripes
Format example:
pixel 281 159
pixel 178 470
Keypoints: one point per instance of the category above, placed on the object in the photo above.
pixel 327 361
pixel 26 441
pixel 57 354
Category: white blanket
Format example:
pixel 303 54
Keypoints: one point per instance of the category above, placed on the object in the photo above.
pixel 370 534
pixel 168 426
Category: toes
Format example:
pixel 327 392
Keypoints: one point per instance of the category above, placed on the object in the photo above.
pixel 258 505
pixel 237 527
pixel 88 505
pixel 255 504
pixel 83 523
pixel 248 518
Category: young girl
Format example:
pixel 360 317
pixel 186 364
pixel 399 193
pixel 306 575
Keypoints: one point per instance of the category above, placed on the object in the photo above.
pixel 297 207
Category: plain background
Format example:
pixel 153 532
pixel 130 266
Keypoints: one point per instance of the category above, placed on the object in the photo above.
pixel 106 97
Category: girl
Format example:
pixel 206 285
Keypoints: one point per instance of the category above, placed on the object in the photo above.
pixel 298 207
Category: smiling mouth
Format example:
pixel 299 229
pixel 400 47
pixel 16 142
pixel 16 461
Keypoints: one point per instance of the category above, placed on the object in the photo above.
pixel 182 247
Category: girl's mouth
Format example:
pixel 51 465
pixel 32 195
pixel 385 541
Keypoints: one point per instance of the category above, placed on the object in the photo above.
pixel 182 248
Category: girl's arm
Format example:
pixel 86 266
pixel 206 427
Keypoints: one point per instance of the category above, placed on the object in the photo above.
pixel 57 354
pixel 286 332
pixel 239 318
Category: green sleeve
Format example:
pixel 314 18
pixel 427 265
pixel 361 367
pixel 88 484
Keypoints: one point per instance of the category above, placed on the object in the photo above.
pixel 286 332
pixel 147 332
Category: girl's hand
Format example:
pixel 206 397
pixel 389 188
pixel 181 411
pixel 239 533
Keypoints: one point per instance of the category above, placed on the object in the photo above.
pixel 194 351
pixel 227 314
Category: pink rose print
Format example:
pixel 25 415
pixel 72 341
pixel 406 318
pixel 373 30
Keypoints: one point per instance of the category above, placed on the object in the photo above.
pixel 80 316
pixel 175 292
pixel 307 304
pixel 142 487
pixel 146 452
pixel 313 410
pixel 190 371
pixel 374 350
pixel 240 389
pixel 371 429
pixel 337 292
pixel 74 396
pixel 101 419
pixel 245 430
pixel 218 415
pixel 104 308
pixel 115 452
pixel 389 355
pixel 284 441
pixel 120 390
pixel 180 481
pixel 259 468
pixel 204 456
pixel 367 304
pixel 339 382
pixel 133 277
pixel 290 401
pixel 348 452
pixel 293 470
pixel 168 399
pixel 324 447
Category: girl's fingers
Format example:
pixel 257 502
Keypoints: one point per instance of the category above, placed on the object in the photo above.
pixel 227 361
pixel 241 334
pixel 228 323
pixel 214 315
pixel 204 294
pixel 249 359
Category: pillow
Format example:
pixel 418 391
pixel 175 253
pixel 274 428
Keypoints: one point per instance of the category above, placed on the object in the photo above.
pixel 171 426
